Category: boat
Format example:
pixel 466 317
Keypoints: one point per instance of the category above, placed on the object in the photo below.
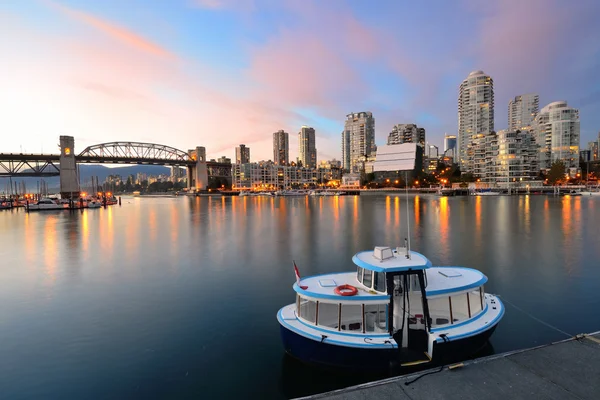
pixel 94 204
pixel 394 312
pixel 292 193
pixel 46 204
pixel 111 200
pixel 590 193
pixel 6 204
pixel 485 193
pixel 571 193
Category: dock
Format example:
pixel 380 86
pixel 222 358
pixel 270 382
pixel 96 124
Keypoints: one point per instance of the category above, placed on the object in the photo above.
pixel 569 369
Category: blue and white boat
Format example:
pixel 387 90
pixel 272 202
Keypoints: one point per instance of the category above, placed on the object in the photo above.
pixel 395 310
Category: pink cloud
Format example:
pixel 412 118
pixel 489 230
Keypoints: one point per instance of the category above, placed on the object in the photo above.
pixel 110 29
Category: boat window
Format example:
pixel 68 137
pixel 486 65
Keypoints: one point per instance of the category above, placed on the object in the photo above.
pixel 474 302
pixel 439 310
pixel 460 309
pixel 414 283
pixel 351 317
pixel 375 318
pixel 308 310
pixel 380 281
pixel 368 278
pixel 328 315
pixel 359 274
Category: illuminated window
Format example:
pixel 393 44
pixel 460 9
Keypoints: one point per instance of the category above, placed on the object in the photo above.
pixel 67 151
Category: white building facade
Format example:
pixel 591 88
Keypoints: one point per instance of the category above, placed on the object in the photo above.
pixel 358 140
pixel 522 111
pixel 557 133
pixel 475 117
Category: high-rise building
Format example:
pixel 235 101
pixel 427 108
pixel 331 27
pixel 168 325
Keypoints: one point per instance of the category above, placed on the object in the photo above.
pixel 407 133
pixel 358 140
pixel 557 133
pixel 242 154
pixel 281 148
pixel 475 116
pixel 450 145
pixel 594 148
pixel 306 147
pixel 522 111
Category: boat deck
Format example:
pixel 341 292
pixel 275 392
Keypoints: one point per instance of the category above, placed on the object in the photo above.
pixel 562 370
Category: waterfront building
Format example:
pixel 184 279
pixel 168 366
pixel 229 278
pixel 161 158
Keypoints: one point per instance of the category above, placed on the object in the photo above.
pixel 307 147
pixel 475 117
pixel 522 111
pixel 358 139
pixel 516 159
pixel 281 148
pixel 406 133
pixel 450 145
pixel 242 154
pixel 267 175
pixel 557 133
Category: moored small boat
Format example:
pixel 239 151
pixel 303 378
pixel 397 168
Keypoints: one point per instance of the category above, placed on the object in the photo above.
pixel 46 204
pixel 395 311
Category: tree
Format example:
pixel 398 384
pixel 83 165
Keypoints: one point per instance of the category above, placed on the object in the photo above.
pixel 557 172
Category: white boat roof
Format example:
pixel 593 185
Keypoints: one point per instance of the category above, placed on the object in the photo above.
pixel 385 259
pixel 323 286
pixel 448 280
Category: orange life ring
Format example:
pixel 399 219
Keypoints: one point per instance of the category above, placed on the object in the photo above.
pixel 346 290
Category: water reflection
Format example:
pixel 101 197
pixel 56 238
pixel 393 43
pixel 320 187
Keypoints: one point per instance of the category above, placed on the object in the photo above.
pixel 50 246
pixel 443 223
pixel 150 270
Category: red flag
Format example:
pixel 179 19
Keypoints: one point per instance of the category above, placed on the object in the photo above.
pixel 298 277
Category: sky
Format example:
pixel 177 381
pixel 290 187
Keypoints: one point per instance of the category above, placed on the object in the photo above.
pixel 217 73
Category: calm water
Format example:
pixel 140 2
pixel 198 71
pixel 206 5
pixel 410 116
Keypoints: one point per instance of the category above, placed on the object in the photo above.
pixel 177 297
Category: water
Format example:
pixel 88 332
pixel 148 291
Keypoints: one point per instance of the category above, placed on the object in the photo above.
pixel 177 297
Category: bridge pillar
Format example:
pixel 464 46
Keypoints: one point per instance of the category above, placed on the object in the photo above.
pixel 198 173
pixel 69 180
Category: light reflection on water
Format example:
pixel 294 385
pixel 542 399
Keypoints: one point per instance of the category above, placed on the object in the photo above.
pixel 175 297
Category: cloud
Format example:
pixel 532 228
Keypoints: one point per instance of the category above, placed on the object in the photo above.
pixel 114 31
pixel 236 5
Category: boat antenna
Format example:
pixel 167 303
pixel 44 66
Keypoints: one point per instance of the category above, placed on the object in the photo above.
pixel 407 217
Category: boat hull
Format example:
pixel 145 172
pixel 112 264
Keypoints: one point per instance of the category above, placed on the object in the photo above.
pixel 354 359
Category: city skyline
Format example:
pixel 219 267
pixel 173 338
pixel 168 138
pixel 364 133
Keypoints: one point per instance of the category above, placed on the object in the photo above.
pixel 205 73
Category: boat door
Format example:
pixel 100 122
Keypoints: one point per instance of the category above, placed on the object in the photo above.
pixel 409 312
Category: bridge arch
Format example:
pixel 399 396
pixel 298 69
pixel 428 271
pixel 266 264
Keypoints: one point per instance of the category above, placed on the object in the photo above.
pixel 135 151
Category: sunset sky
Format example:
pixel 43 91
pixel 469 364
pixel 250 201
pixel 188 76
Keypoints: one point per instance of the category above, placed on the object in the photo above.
pixel 217 73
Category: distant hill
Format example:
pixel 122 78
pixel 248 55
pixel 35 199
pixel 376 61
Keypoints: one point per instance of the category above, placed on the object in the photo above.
pixel 86 171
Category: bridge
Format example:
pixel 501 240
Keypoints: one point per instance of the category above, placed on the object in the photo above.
pixel 65 163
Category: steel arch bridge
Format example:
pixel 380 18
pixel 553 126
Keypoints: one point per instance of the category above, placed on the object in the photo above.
pixel 134 152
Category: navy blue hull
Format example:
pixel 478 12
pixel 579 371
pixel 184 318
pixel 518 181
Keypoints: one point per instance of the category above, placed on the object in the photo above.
pixel 337 357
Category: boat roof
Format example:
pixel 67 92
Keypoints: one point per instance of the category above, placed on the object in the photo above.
pixel 323 286
pixel 385 259
pixel 447 280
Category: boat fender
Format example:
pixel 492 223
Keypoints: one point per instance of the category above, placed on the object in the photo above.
pixel 346 290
